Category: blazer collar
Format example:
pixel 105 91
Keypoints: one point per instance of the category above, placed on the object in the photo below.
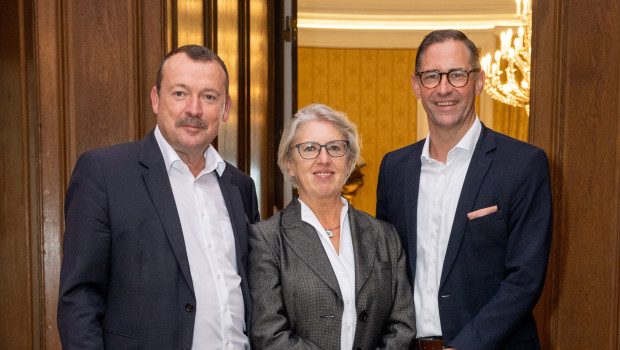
pixel 155 176
pixel 158 185
pixel 304 241
pixel 478 168
pixel 238 217
pixel 411 190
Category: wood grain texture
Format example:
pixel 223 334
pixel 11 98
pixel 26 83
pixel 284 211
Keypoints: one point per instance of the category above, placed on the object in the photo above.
pixel 576 104
pixel 258 123
pixel 16 274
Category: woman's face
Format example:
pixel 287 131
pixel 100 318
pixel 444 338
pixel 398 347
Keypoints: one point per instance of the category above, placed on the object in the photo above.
pixel 323 176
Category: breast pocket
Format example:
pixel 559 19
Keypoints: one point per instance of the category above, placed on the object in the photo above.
pixel 487 237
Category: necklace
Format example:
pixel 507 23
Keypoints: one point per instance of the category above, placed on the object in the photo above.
pixel 329 231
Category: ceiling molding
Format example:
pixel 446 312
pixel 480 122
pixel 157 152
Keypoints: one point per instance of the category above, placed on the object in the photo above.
pixel 343 21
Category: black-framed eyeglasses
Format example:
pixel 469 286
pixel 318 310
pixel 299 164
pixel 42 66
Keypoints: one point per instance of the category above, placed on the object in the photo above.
pixel 430 79
pixel 311 150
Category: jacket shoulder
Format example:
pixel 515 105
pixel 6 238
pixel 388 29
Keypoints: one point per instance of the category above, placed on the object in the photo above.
pixel 517 149
pixel 269 226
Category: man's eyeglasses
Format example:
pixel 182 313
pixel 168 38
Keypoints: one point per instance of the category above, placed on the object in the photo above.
pixel 311 150
pixel 430 79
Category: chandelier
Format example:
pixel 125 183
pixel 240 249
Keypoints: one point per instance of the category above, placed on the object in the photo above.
pixel 508 76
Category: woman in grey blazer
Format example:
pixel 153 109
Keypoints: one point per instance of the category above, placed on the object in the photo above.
pixel 322 274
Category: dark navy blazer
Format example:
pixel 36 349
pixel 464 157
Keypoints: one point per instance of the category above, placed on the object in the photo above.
pixel 495 265
pixel 125 280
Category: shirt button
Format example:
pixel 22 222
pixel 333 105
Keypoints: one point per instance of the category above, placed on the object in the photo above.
pixel 218 276
pixel 209 245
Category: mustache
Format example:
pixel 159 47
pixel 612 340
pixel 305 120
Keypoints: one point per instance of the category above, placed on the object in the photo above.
pixel 191 121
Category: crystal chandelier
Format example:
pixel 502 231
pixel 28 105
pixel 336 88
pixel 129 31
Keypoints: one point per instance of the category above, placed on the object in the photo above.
pixel 508 76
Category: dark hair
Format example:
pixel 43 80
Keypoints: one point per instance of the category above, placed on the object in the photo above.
pixel 440 36
pixel 198 54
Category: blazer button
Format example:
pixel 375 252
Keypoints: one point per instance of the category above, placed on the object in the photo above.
pixel 362 316
pixel 189 307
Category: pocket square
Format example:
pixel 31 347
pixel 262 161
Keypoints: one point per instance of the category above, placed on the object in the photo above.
pixel 482 212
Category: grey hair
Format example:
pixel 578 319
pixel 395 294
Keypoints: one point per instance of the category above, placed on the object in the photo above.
pixel 441 36
pixel 318 112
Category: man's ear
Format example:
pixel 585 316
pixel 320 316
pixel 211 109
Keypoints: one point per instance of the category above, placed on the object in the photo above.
pixel 480 82
pixel 415 83
pixel 226 111
pixel 155 99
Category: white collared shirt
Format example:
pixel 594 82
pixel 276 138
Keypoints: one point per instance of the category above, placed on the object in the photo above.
pixel 343 266
pixel 438 196
pixel 210 246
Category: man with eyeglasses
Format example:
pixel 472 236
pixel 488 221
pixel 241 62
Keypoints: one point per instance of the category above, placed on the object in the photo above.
pixel 473 209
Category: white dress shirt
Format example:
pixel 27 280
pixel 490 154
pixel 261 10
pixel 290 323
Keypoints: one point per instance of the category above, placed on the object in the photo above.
pixel 210 246
pixel 438 196
pixel 343 265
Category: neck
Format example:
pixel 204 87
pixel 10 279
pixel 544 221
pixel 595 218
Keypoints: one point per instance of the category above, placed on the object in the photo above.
pixel 327 210
pixel 195 162
pixel 444 140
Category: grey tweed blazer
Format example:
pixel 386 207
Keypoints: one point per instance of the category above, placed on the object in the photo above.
pixel 297 302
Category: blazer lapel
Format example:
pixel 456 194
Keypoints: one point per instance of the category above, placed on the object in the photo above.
pixel 364 237
pixel 158 185
pixel 478 168
pixel 302 239
pixel 238 218
pixel 411 190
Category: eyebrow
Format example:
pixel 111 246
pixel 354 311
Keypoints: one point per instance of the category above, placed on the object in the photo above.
pixel 184 86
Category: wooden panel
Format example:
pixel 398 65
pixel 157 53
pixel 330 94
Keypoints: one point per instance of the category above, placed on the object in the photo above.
pixel 53 169
pixel 576 108
pixel 190 22
pixel 152 45
pixel 16 296
pixel 101 59
pixel 228 50
pixel 259 93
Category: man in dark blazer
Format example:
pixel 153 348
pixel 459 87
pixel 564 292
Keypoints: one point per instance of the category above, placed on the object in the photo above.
pixel 155 245
pixel 472 208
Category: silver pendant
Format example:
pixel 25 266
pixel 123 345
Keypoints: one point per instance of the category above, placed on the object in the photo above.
pixel 329 233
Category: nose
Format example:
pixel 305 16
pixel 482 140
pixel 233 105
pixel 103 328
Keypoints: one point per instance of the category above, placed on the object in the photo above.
pixel 193 107
pixel 444 86
pixel 323 157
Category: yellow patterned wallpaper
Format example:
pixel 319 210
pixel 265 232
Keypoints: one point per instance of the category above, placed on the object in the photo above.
pixel 509 120
pixel 372 86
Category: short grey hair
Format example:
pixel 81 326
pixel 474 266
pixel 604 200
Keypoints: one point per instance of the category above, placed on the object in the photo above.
pixel 443 35
pixel 318 112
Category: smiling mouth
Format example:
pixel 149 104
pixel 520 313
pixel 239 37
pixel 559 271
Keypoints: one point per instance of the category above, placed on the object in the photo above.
pixel 323 173
pixel 443 104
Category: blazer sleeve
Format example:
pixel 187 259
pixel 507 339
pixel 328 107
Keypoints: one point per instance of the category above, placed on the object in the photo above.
pixel 270 325
pixel 399 330
pixel 527 255
pixel 86 256
pixel 381 195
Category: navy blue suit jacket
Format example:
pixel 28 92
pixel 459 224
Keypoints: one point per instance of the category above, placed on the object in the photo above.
pixel 125 280
pixel 495 265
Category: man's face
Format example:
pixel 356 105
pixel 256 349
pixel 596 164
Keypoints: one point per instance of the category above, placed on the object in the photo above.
pixel 191 103
pixel 448 108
